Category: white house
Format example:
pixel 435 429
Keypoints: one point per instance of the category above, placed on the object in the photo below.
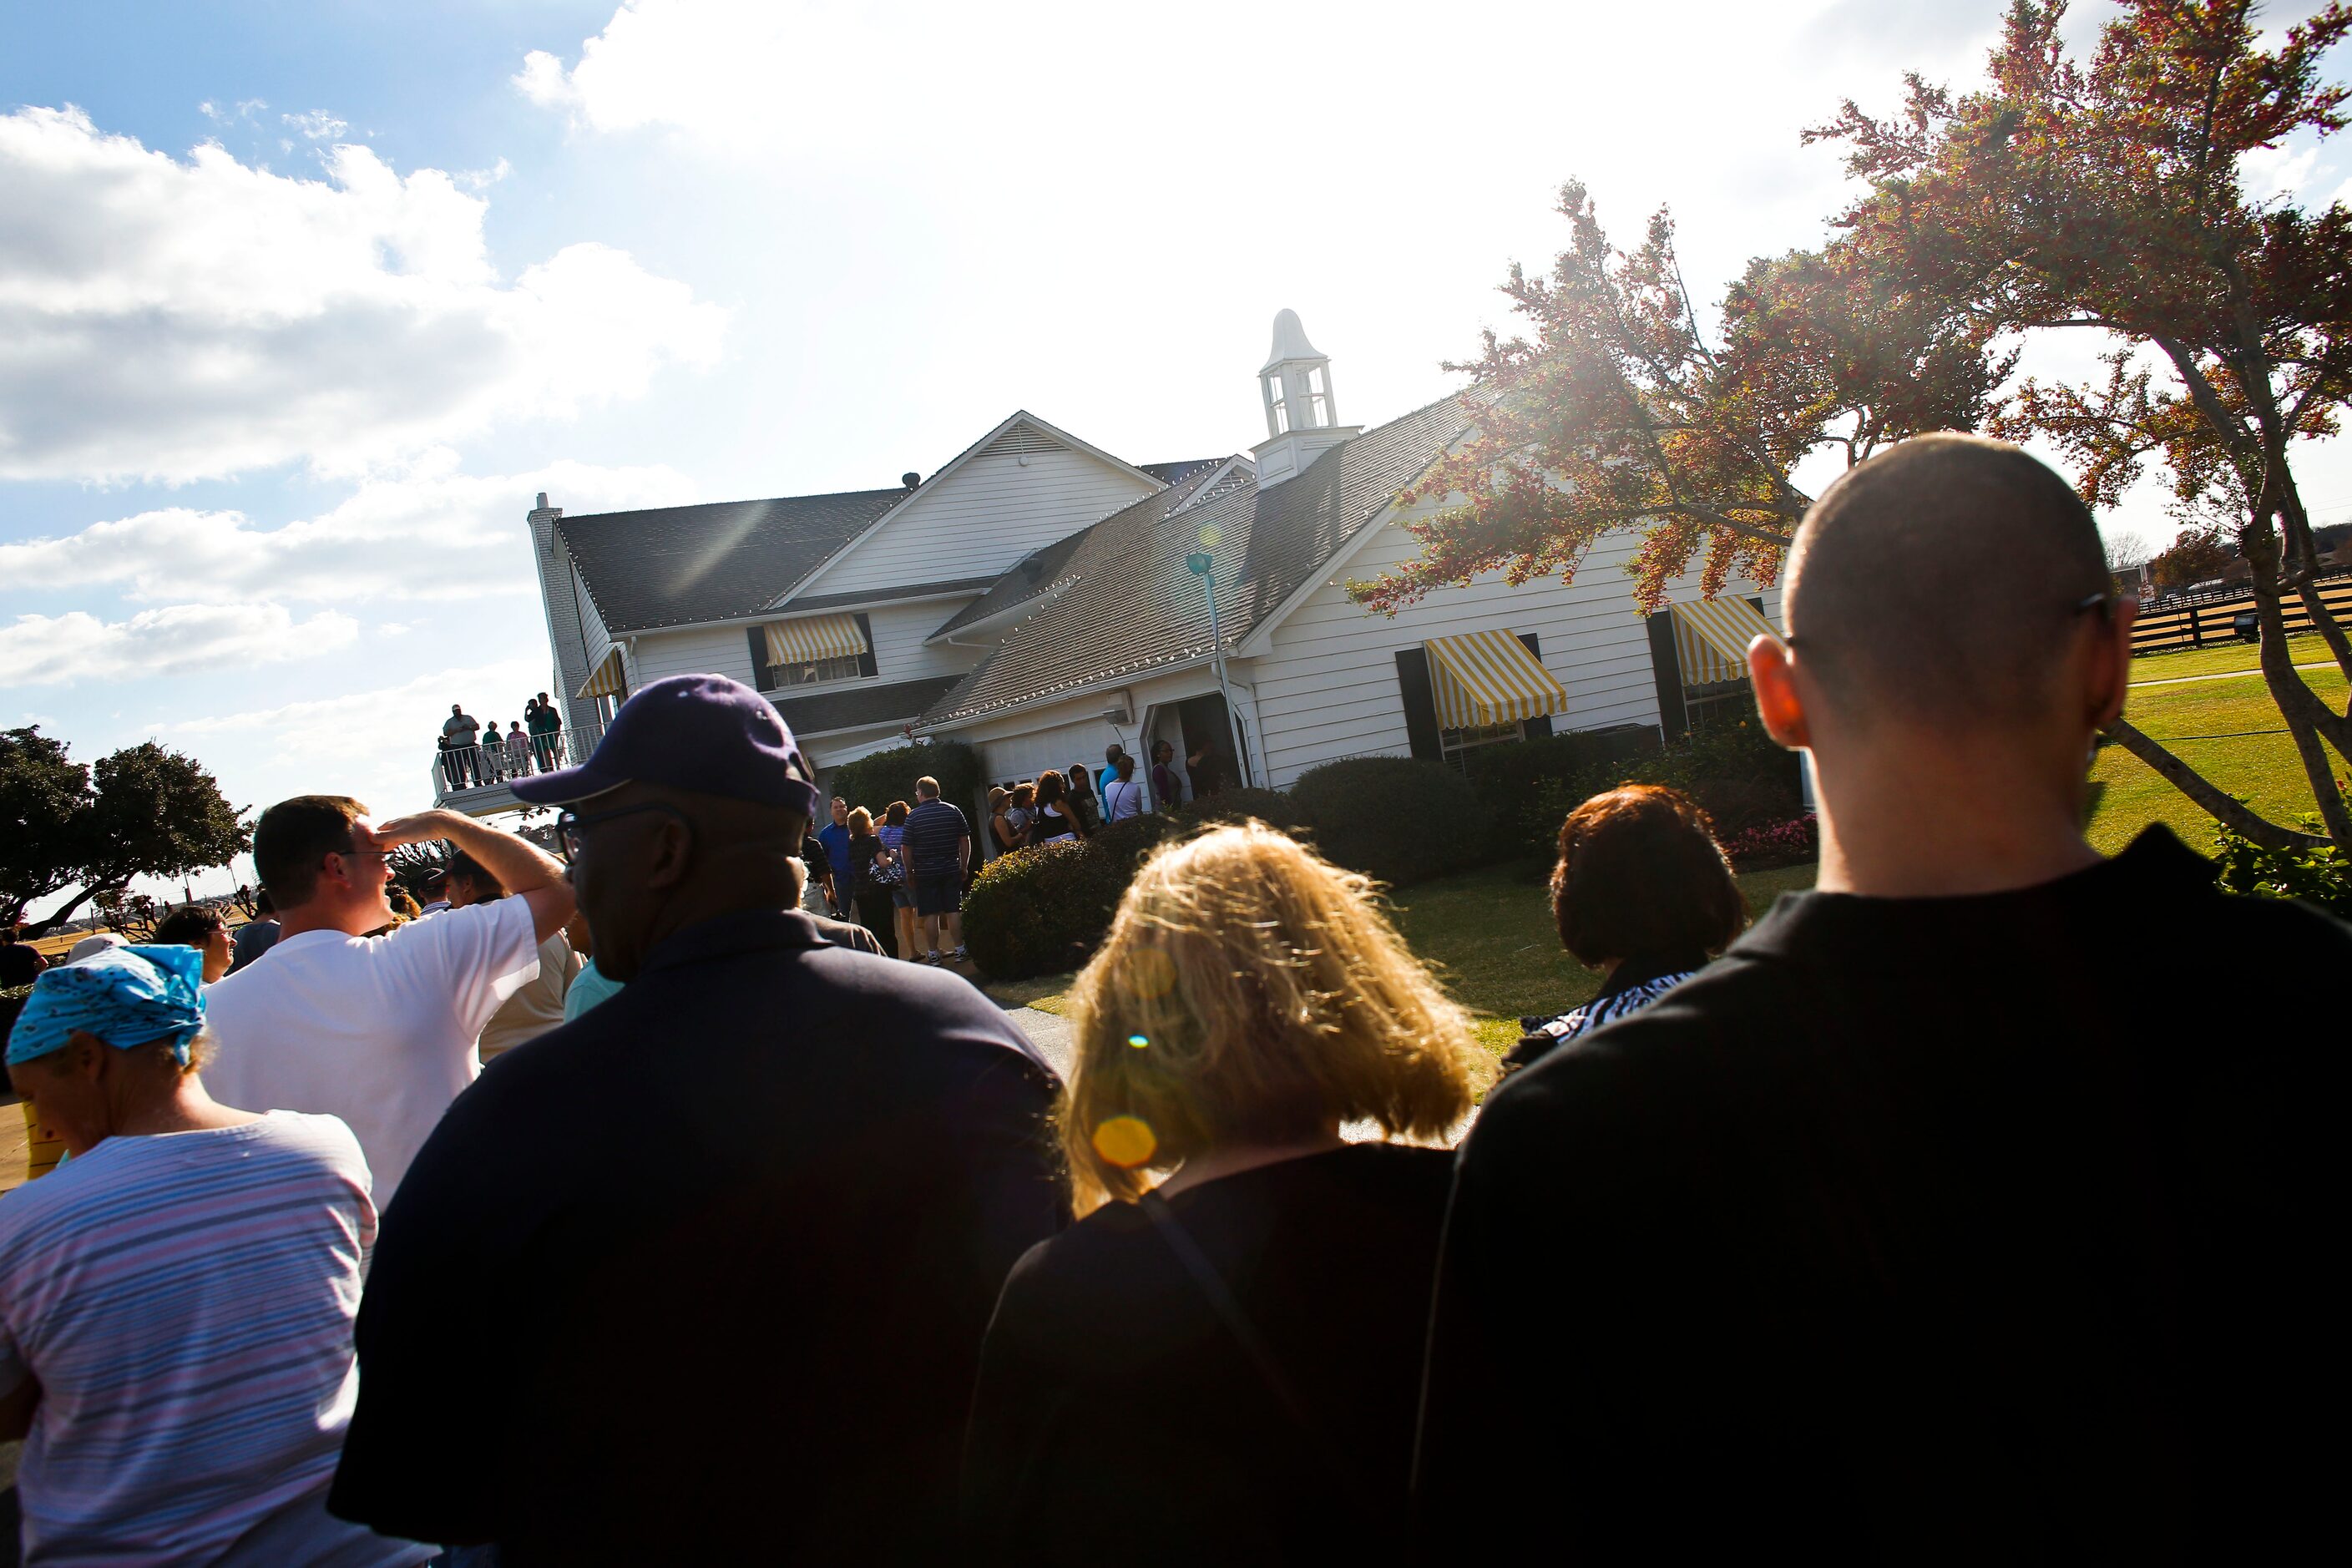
pixel 1040 598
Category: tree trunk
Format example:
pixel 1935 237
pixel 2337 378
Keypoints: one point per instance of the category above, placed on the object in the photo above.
pixel 2300 705
pixel 64 913
pixel 2229 812
pixel 2304 550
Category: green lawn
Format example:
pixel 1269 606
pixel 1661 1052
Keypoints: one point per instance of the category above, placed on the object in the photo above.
pixel 2253 759
pixel 2221 659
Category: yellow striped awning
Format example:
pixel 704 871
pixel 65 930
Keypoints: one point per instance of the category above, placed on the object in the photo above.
pixel 610 679
pixel 812 638
pixel 1711 638
pixel 1489 677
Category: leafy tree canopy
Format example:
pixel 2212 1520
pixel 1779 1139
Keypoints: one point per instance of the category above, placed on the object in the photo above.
pixel 142 811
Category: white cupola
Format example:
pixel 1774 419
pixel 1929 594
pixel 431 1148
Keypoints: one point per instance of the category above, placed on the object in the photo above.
pixel 1301 418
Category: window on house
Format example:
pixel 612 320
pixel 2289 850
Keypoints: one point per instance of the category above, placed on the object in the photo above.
pixel 1452 743
pixel 773 676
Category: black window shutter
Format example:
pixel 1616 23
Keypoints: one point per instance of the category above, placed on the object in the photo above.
pixel 1420 703
pixel 1539 727
pixel 761 675
pixel 1668 670
pixel 866 664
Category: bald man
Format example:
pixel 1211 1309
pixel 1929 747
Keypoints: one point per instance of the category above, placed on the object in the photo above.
pixel 1906 1230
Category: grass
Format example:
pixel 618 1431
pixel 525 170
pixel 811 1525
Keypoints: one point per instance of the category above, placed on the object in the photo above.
pixel 2223 659
pixel 2253 758
pixel 1489 935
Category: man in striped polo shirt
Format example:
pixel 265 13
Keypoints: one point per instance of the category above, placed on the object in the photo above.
pixel 939 849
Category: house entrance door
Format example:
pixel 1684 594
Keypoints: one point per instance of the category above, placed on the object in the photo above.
pixel 1207 745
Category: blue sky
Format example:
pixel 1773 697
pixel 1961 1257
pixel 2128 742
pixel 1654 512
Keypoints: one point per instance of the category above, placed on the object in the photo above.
pixel 307 301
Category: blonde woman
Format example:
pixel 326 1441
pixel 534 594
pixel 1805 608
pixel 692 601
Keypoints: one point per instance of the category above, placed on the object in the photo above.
pixel 1220 1362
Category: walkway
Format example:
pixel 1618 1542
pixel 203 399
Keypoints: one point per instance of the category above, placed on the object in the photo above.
pixel 1049 1032
pixel 2225 674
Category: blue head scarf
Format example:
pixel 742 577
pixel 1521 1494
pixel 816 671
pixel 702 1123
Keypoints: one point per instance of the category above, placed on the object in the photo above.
pixel 126 996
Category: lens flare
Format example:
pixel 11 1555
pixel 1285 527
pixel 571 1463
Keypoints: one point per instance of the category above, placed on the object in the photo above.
pixel 1126 1141
pixel 1138 1041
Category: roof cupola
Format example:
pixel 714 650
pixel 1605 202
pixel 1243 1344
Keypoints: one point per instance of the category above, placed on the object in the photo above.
pixel 1301 419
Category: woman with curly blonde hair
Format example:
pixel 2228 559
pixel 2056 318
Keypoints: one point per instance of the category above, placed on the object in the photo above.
pixel 1222 1364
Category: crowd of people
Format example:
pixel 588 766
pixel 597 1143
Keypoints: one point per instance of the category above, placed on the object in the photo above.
pixel 1876 1229
pixel 472 754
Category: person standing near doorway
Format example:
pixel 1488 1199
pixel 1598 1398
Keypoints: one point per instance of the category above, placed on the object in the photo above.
pixel 1167 787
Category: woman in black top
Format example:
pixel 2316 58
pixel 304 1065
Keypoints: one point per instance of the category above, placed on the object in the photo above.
pixel 869 899
pixel 1642 893
pixel 1224 1367
pixel 1054 818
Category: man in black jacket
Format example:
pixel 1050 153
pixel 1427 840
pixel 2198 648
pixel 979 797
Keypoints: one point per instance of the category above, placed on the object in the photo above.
pixel 702 1276
pixel 1908 1231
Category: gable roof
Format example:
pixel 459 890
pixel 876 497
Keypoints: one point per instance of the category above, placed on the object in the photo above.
pixel 678 565
pixel 1036 572
pixel 1005 427
pixel 1177 473
pixel 1134 605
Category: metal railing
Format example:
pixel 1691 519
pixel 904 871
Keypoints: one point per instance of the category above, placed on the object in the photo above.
pixel 468 770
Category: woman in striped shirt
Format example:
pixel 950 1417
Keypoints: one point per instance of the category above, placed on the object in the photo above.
pixel 176 1303
pixel 1643 893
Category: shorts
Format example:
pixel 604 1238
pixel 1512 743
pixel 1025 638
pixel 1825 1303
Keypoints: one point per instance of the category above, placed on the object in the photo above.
pixel 939 895
pixel 902 897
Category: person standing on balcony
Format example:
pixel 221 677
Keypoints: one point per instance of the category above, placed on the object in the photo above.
pixel 546 733
pixel 518 748
pixel 459 730
pixel 379 1030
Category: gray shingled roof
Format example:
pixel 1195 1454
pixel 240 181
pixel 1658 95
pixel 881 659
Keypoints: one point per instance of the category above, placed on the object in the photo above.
pixel 1134 606
pixel 676 565
pixel 854 705
pixel 1177 473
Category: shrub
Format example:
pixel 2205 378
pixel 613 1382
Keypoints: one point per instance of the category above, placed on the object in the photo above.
pixel 1042 910
pixel 1735 772
pixel 2320 876
pixel 1122 845
pixel 1395 819
pixel 1272 806
pixel 875 780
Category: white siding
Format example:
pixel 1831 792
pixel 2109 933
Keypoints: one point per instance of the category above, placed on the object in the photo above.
pixel 696 650
pixel 1328 687
pixel 981 520
pixel 899 633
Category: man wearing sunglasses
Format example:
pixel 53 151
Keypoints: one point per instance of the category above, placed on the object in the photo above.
pixel 1902 1232
pixel 703 1274
pixel 381 1031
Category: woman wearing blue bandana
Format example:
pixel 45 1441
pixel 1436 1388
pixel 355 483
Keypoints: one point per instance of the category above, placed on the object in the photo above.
pixel 175 1302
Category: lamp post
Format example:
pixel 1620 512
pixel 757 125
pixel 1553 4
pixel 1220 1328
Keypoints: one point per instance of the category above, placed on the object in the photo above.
pixel 1204 569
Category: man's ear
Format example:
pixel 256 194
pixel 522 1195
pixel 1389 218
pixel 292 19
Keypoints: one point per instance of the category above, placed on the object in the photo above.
pixel 2111 656
pixel 1771 671
pixel 672 852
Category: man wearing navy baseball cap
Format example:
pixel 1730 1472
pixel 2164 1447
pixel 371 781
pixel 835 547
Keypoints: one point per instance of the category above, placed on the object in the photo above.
pixel 702 1276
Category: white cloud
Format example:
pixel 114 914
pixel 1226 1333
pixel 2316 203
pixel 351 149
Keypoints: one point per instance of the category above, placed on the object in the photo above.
pixel 175 320
pixel 46 650
pixel 265 754
pixel 317 124
pixel 2271 172
pixel 431 532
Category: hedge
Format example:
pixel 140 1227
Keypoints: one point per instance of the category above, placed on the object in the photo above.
pixel 1042 910
pixel 1395 819
pixel 874 781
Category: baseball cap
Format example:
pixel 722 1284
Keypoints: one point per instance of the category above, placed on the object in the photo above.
pixel 700 732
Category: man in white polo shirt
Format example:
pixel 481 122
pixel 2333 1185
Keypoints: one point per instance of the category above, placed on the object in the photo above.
pixel 378 1030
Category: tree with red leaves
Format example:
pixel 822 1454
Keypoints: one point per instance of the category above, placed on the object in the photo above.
pixel 2108 196
pixel 1617 411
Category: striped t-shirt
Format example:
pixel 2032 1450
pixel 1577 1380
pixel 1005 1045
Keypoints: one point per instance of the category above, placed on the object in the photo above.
pixel 933 831
pixel 185 1301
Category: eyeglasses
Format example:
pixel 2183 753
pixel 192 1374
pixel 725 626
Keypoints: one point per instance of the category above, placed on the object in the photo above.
pixel 2103 601
pixel 568 823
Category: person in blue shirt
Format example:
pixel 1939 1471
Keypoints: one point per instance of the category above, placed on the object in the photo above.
pixel 835 837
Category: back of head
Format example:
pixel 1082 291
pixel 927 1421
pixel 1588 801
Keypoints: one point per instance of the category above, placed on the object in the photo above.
pixel 927 788
pixel 463 867
pixel 1937 582
pixel 861 822
pixel 293 837
pixel 1640 876
pixel 897 816
pixel 1049 788
pixel 1250 991
pixel 189 925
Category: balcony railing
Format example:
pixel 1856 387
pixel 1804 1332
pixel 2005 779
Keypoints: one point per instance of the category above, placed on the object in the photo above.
pixel 475 777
